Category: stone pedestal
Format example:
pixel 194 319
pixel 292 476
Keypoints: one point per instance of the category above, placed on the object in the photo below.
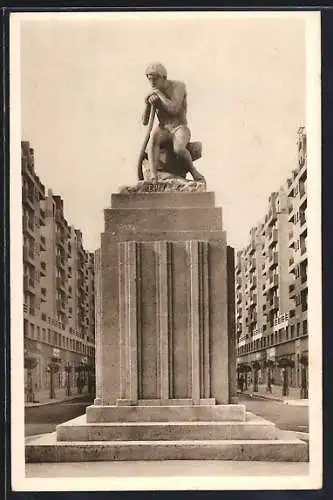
pixel 164 297
pixel 165 344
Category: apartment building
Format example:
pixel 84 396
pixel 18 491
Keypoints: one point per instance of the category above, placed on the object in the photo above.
pixel 58 287
pixel 271 289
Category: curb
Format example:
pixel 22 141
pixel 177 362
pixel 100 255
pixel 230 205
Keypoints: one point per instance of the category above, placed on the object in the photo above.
pixel 56 401
pixel 257 395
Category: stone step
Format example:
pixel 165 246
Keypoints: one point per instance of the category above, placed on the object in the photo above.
pixel 79 430
pixel 206 413
pixel 47 449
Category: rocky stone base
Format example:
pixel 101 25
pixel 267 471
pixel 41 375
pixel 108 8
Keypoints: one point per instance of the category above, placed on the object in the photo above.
pixel 165 185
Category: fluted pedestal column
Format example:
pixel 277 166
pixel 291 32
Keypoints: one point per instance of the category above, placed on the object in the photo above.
pixel 165 334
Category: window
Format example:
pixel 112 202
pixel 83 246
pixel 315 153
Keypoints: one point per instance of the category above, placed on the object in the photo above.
pixel 38 332
pixel 298 329
pixel 26 328
pixel 305 327
pixel 292 330
pixel 32 330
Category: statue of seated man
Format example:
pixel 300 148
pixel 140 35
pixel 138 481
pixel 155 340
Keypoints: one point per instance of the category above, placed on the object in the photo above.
pixel 169 98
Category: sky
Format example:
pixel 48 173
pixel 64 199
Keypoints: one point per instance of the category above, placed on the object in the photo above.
pixel 83 86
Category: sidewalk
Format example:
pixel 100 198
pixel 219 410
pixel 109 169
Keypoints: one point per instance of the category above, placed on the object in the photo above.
pixel 42 397
pixel 293 397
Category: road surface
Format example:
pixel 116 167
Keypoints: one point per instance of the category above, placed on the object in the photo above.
pixel 45 418
pixel 287 417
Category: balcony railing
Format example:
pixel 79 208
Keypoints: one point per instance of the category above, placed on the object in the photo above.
pixel 274 303
pixel 273 259
pixel 274 280
pixel 60 261
pixel 302 218
pixel 272 236
pixel 253 282
pixel 60 282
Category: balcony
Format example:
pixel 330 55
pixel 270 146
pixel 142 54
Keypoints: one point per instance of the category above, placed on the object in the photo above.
pixel 238 282
pixel 272 237
pixel 60 262
pixel 29 284
pixel 291 263
pixel 28 255
pixel 28 225
pixel 273 259
pixel 253 318
pixel 239 298
pixel 42 243
pixel 303 249
pixel 291 214
pixel 252 264
pixel 274 303
pixel 302 190
pixel 43 268
pixel 61 283
pixel 61 306
pixel 272 216
pixel 253 299
pixel 43 294
pixel 28 197
pixel 292 290
pixel 253 282
pixel 252 247
pixel 60 239
pixel 273 281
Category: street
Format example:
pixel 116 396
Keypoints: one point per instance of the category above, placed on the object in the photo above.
pixel 45 418
pixel 292 418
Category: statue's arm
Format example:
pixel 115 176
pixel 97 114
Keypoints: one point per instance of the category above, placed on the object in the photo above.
pixel 173 104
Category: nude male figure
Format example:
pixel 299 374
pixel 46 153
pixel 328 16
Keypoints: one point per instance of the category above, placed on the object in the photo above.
pixel 170 100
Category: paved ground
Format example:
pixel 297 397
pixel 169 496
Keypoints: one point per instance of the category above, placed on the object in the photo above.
pixel 191 468
pixel 287 417
pixel 42 419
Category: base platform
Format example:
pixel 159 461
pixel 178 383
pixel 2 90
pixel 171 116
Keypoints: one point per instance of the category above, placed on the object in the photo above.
pixel 101 436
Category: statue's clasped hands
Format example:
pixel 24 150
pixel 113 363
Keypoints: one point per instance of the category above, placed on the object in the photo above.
pixel 152 98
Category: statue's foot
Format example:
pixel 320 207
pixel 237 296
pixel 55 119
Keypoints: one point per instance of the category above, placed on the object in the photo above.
pixel 199 178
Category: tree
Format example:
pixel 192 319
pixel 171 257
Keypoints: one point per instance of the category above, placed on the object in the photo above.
pixel 30 364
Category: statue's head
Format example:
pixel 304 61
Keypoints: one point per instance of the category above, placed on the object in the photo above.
pixel 157 75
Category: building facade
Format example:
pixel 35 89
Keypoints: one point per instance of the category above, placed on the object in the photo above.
pixel 58 288
pixel 271 291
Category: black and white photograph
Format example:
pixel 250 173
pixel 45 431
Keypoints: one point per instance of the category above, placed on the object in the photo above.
pixel 165 248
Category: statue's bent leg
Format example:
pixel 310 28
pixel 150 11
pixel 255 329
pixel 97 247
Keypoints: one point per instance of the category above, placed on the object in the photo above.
pixel 159 136
pixel 181 138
